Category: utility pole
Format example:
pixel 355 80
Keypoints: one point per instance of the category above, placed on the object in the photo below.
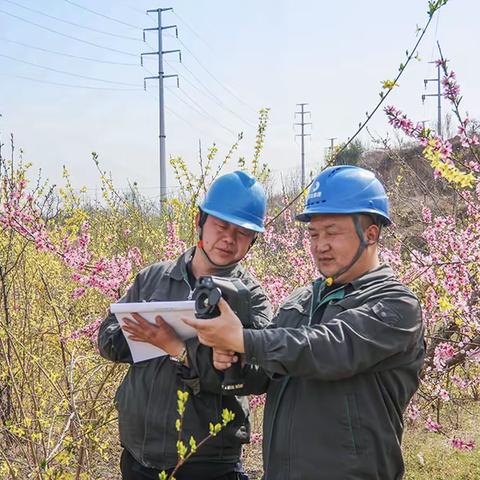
pixel 302 124
pixel 329 151
pixel 438 95
pixel 332 139
pixel 161 102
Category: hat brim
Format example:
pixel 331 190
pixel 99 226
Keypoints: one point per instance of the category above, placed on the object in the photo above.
pixel 235 220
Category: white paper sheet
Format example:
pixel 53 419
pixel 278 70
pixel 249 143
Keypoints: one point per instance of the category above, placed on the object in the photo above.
pixel 171 312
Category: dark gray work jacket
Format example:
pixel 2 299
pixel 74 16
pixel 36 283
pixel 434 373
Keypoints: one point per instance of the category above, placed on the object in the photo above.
pixel 342 370
pixel 147 398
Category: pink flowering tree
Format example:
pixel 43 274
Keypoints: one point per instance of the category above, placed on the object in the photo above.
pixel 61 263
pixel 444 271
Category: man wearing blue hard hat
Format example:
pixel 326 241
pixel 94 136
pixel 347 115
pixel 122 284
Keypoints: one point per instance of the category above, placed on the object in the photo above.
pixel 230 217
pixel 343 356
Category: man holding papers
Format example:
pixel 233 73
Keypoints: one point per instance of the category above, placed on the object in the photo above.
pixel 229 220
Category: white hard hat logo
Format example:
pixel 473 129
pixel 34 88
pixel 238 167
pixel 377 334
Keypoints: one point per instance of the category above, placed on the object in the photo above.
pixel 314 193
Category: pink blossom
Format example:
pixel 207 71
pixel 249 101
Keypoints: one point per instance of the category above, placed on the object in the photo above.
pixel 443 394
pixel 432 426
pixel 412 412
pixel 427 215
pixel 256 401
pixel 460 444
pixel 451 89
pixel 89 331
pixel 78 292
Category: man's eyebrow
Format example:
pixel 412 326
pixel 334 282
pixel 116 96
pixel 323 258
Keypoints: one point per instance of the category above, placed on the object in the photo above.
pixel 332 225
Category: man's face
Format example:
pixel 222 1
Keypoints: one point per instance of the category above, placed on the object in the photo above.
pixel 224 242
pixel 333 242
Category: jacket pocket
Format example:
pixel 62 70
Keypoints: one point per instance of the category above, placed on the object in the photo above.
pixel 292 315
pixel 353 426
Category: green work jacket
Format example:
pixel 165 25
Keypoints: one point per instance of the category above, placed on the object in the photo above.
pixel 147 398
pixel 341 370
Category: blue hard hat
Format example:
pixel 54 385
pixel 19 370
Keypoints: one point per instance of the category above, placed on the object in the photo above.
pixel 237 198
pixel 346 189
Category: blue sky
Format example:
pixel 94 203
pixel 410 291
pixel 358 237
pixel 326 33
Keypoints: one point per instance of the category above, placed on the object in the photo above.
pixel 273 54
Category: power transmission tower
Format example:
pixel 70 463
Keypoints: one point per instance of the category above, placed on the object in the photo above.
pixel 302 124
pixel 332 146
pixel 161 102
pixel 438 95
pixel 328 152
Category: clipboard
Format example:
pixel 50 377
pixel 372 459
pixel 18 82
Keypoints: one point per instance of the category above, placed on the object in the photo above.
pixel 171 312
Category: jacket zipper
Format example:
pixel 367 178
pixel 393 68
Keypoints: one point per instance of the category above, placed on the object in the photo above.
pixel 283 387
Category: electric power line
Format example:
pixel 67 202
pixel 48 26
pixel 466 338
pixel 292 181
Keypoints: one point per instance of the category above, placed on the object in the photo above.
pixel 193 31
pixel 194 105
pixel 227 89
pixel 205 93
pixel 200 110
pixel 363 124
pixel 216 99
pixel 136 10
pixel 85 87
pixel 63 72
pixel 46 50
pixel 68 22
pixel 71 37
pixel 194 127
pixel 206 114
pixel 121 22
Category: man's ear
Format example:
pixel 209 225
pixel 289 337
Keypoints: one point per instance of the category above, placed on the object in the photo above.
pixel 372 234
pixel 197 222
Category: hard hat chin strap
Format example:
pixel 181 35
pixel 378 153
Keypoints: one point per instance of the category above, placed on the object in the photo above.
pixel 361 248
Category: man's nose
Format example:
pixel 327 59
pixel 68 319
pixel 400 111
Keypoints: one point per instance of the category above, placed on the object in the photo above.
pixel 229 236
pixel 322 246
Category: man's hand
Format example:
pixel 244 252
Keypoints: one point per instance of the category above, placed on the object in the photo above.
pixel 223 359
pixel 224 332
pixel 160 334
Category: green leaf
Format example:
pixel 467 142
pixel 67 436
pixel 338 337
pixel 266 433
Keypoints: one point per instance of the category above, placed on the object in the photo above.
pixel 181 449
pixel 193 445
pixel 227 416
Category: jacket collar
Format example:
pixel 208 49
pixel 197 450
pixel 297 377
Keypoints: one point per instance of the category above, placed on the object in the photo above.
pixel 379 274
pixel 178 268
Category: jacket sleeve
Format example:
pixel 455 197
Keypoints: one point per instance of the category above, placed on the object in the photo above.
pixel 355 341
pixel 201 375
pixel 111 340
